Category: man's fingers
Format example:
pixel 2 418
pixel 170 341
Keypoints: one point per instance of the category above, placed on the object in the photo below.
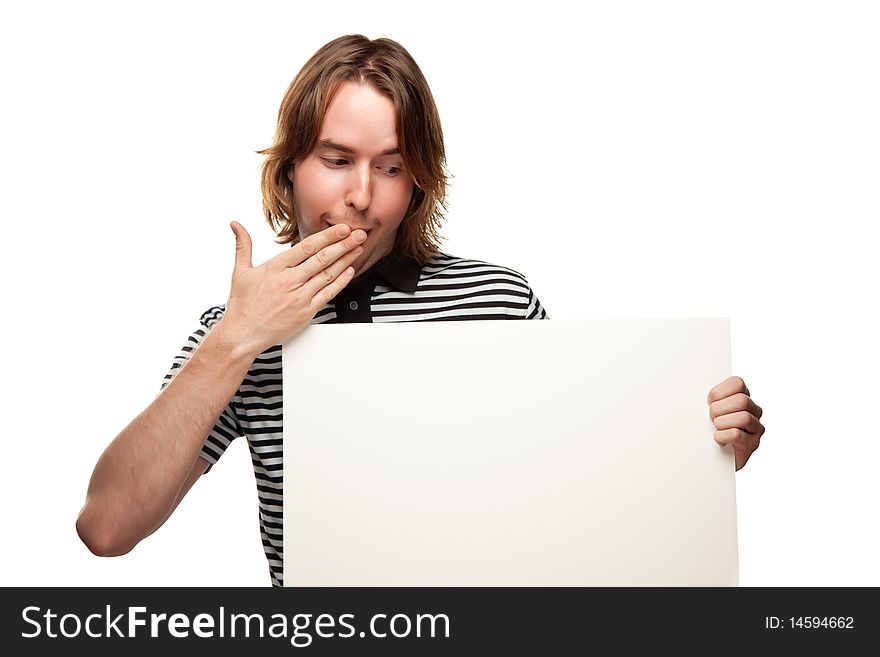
pixel 737 402
pixel 327 283
pixel 730 386
pixel 341 237
pixel 743 443
pixel 736 418
pixel 327 257
pixel 326 294
pixel 739 420
pixel 242 246
pixel 736 436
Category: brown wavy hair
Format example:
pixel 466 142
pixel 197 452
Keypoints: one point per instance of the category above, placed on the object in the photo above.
pixel 387 67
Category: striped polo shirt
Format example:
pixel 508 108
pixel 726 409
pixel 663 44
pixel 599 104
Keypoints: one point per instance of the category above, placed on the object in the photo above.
pixel 446 288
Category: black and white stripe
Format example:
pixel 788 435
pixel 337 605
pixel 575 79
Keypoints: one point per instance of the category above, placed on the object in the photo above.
pixel 449 289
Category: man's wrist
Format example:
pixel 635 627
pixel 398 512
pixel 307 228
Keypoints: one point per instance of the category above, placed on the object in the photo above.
pixel 231 348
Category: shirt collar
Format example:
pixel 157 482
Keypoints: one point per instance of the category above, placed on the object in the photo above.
pixel 402 273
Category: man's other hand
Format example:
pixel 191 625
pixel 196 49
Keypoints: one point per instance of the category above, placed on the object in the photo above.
pixel 736 417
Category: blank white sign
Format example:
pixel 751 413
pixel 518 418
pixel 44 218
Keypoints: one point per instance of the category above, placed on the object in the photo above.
pixel 507 453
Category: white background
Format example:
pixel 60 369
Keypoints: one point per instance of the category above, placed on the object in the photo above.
pixel 632 159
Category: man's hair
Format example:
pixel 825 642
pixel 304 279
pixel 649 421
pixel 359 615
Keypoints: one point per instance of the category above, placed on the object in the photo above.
pixel 387 67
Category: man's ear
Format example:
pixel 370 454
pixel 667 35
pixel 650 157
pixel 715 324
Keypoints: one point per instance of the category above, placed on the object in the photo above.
pixel 290 172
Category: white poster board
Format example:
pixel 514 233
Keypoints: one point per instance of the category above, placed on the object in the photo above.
pixel 507 453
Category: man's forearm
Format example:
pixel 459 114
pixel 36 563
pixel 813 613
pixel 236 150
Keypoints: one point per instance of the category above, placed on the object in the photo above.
pixel 138 480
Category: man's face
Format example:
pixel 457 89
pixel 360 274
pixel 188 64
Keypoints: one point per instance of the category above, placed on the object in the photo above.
pixel 355 174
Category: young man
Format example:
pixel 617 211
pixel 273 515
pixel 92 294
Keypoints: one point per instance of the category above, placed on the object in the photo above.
pixel 355 181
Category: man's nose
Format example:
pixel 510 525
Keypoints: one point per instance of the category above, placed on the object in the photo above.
pixel 359 188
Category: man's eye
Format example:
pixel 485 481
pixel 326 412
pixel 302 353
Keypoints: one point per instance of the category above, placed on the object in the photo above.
pixel 335 161
pixel 393 171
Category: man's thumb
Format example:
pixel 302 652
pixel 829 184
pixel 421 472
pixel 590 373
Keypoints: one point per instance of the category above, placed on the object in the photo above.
pixel 242 246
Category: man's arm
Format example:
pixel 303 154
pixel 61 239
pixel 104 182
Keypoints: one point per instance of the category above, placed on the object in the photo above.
pixel 147 469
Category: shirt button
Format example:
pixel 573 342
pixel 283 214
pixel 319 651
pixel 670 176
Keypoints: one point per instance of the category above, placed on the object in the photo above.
pixel 353 305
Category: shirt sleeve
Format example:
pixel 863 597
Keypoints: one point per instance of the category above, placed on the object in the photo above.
pixel 227 426
pixel 535 310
